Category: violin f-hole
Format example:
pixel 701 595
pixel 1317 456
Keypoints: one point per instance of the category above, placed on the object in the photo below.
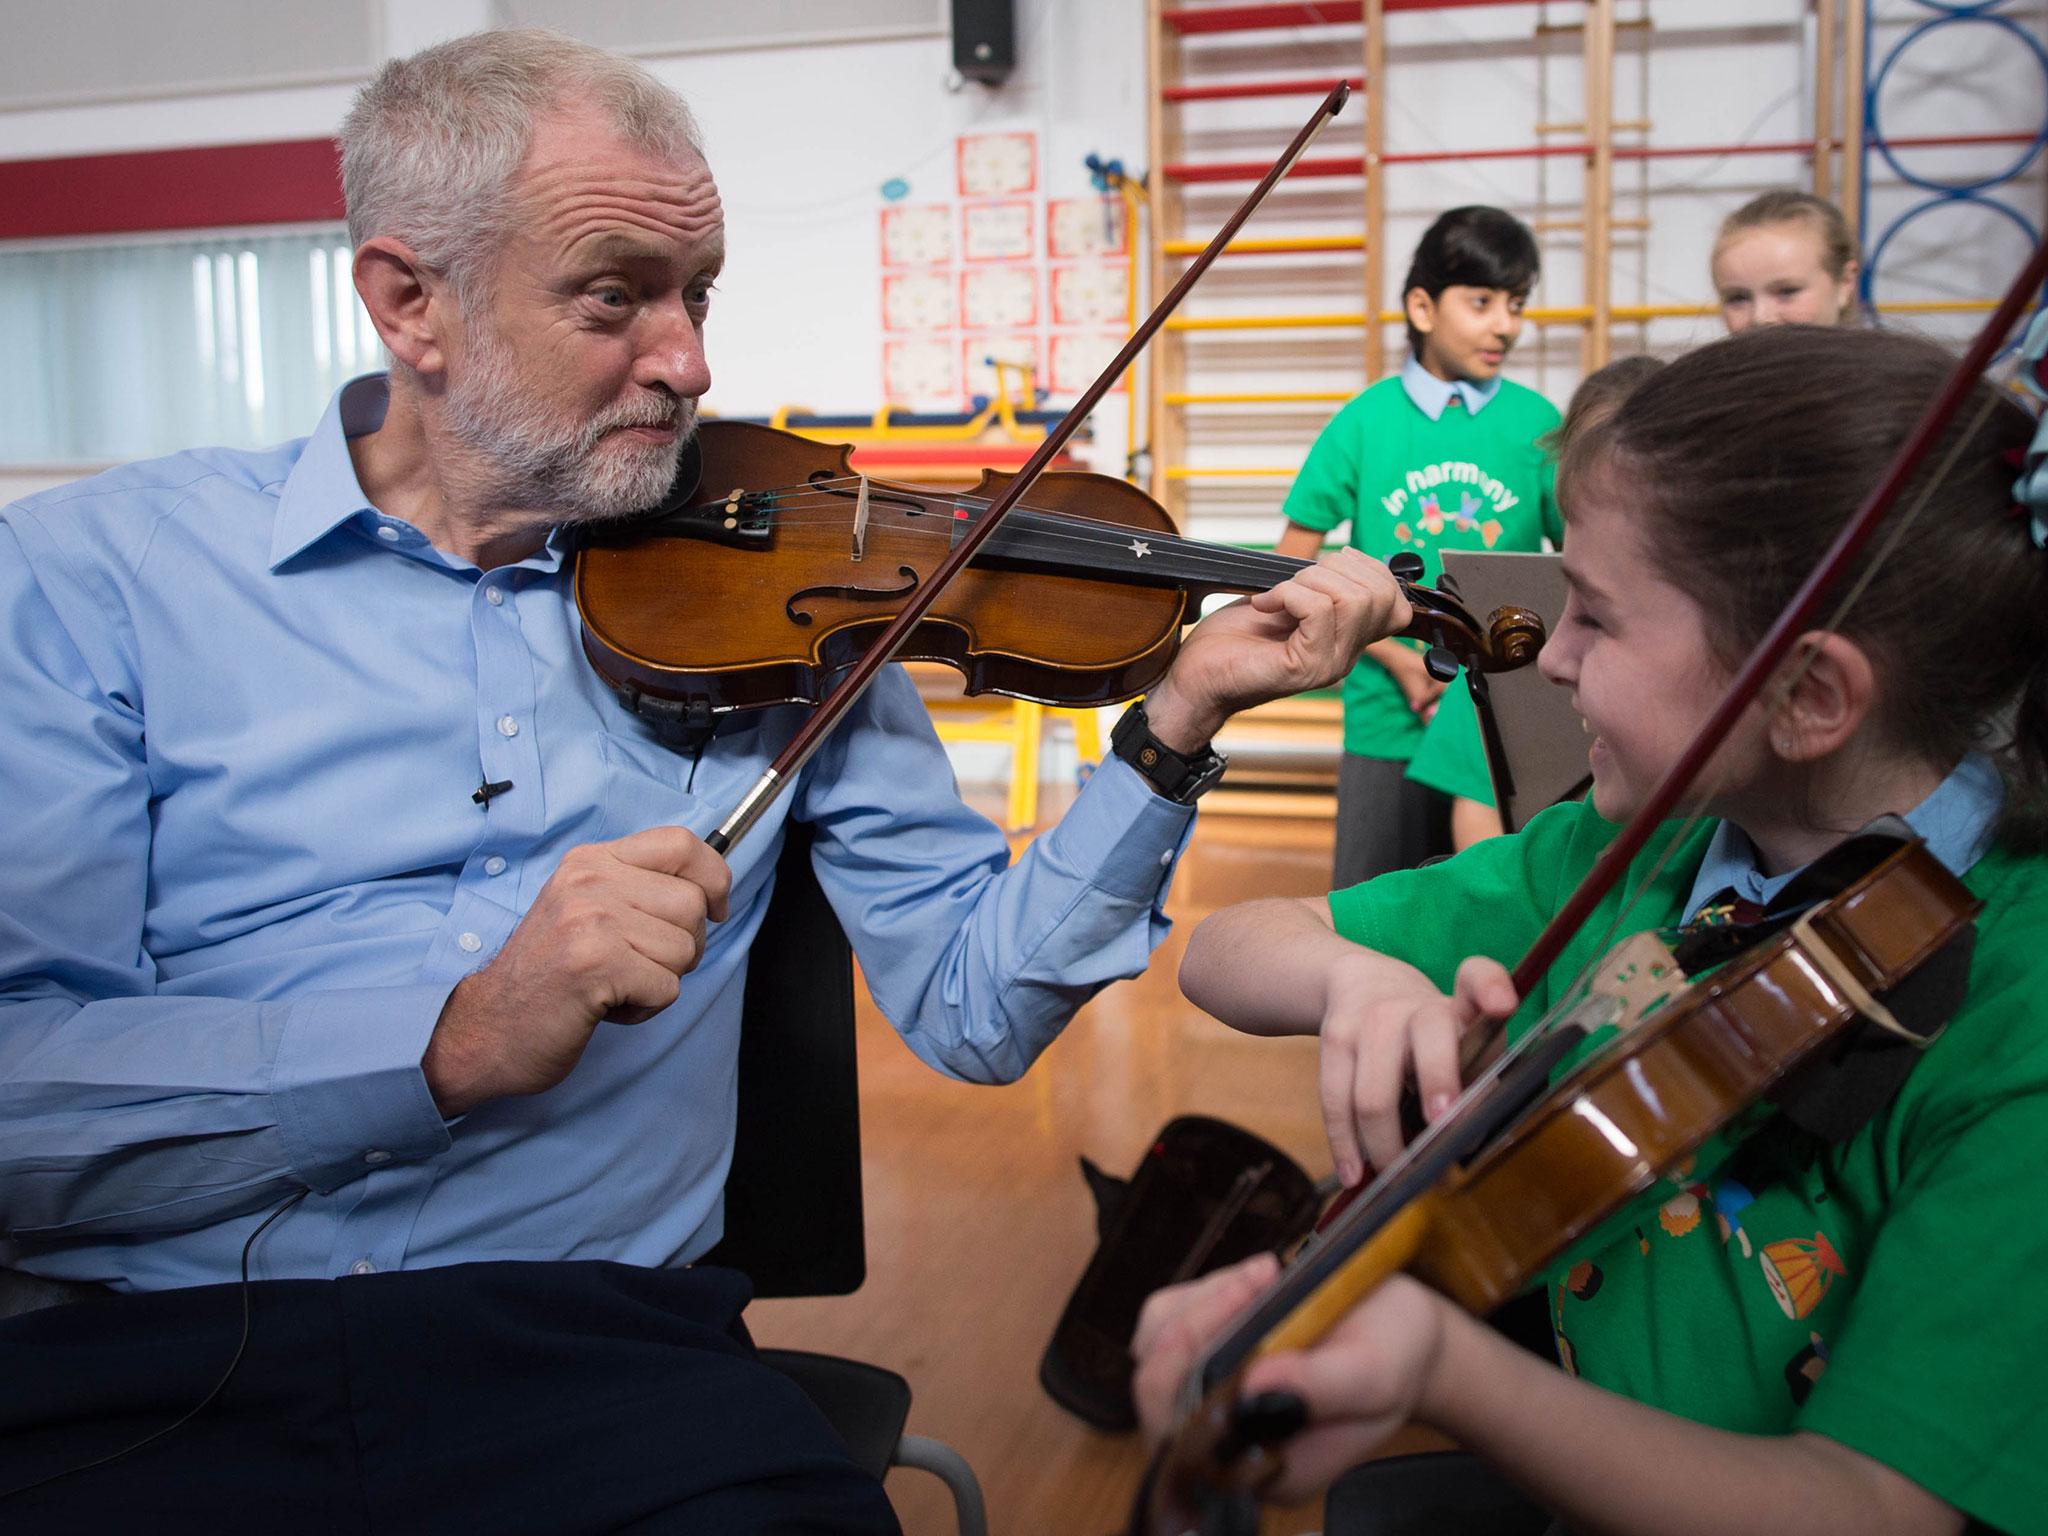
pixel 852 594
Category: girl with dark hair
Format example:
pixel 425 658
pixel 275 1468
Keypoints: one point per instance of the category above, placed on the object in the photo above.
pixel 1443 456
pixel 1823 1332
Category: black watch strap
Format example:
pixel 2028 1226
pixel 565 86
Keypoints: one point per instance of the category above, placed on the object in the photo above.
pixel 1178 777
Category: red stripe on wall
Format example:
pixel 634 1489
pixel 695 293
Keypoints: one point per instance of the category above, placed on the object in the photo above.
pixel 294 181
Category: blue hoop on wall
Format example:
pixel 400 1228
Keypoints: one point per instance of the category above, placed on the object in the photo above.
pixel 1943 194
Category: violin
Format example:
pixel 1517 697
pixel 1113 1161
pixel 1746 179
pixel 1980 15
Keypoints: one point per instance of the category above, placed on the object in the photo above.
pixel 772 565
pixel 1487 1198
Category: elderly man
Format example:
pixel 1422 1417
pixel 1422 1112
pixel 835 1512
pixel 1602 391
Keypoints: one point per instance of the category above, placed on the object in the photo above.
pixel 285 996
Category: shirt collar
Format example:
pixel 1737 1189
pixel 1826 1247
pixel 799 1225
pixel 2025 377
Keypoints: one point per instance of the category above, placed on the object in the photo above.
pixel 1431 394
pixel 322 492
pixel 1955 821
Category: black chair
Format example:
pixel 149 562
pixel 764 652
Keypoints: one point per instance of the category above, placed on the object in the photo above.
pixel 793 1215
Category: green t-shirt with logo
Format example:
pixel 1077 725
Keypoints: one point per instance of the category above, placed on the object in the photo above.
pixel 1402 481
pixel 1451 757
pixel 1888 1292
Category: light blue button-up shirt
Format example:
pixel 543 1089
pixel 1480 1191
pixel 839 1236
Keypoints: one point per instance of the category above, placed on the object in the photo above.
pixel 1431 394
pixel 242 714
pixel 1956 822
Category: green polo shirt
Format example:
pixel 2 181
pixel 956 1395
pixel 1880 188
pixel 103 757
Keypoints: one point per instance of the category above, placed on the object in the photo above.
pixel 1465 480
pixel 1451 757
pixel 1888 1293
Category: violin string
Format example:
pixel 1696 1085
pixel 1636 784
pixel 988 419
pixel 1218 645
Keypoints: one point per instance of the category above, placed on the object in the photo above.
pixel 1082 532
pixel 837 490
pixel 1185 555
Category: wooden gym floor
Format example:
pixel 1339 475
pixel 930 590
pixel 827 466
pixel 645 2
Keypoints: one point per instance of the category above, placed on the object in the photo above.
pixel 979 1223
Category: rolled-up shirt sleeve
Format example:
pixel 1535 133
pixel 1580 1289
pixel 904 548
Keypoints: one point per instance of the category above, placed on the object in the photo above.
pixel 123 1108
pixel 977 962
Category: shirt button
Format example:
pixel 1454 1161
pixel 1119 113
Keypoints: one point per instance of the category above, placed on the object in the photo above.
pixel 507 726
pixel 375 1156
pixel 389 534
pixel 494 595
pixel 494 865
pixel 470 943
pixel 362 1267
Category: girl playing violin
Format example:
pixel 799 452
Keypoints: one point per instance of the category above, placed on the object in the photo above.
pixel 1803 1335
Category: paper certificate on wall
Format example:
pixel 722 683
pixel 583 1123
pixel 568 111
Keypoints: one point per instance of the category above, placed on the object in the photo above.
pixel 997 164
pixel 920 235
pixel 1085 226
pixel 921 372
pixel 917 301
pixel 1091 293
pixel 995 298
pixel 996 231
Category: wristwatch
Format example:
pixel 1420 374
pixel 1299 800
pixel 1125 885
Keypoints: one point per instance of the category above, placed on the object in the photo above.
pixel 1176 776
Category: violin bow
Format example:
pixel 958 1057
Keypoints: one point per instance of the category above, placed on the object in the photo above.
pixel 811 735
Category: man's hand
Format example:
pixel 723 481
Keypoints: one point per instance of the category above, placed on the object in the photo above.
pixel 610 937
pixel 1305 633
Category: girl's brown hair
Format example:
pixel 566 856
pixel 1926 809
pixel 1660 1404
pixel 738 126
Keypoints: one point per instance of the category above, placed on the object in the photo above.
pixel 1747 457
pixel 1837 245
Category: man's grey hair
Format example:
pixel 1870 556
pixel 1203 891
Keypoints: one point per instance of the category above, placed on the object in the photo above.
pixel 430 147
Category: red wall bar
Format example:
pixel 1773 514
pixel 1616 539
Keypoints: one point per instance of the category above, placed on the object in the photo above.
pixel 1258 88
pixel 1323 13
pixel 295 181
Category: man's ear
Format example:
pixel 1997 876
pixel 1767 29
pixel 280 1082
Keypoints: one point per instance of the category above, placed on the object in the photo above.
pixel 1421 310
pixel 1835 693
pixel 411 306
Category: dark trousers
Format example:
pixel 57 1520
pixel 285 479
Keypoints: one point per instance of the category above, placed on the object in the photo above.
pixel 1385 820
pixel 543 1398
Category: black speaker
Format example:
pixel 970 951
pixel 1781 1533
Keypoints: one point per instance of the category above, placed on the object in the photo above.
pixel 985 39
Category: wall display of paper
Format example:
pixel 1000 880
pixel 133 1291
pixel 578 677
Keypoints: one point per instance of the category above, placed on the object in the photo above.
pixel 917 301
pixel 1085 226
pixel 996 164
pixel 999 297
pixel 917 235
pixel 997 231
pixel 1091 293
pixel 921 371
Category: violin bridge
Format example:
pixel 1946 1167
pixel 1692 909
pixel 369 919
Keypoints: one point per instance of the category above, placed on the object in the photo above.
pixel 860 520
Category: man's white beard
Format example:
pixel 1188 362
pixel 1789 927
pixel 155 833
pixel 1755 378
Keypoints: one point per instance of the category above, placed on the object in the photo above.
pixel 530 458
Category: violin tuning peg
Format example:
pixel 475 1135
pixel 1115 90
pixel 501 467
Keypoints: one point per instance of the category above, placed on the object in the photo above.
pixel 1406 566
pixel 1440 664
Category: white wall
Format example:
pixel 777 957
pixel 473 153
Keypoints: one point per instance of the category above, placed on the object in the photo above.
pixel 802 138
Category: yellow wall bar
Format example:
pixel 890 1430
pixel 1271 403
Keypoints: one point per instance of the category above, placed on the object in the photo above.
pixel 1184 472
pixel 1273 245
pixel 1267 397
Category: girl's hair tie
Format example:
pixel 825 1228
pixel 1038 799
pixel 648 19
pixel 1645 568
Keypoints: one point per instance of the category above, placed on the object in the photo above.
pixel 2030 490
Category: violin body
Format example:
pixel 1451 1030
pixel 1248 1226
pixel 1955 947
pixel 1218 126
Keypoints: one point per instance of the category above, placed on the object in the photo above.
pixel 772 566
pixel 680 614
